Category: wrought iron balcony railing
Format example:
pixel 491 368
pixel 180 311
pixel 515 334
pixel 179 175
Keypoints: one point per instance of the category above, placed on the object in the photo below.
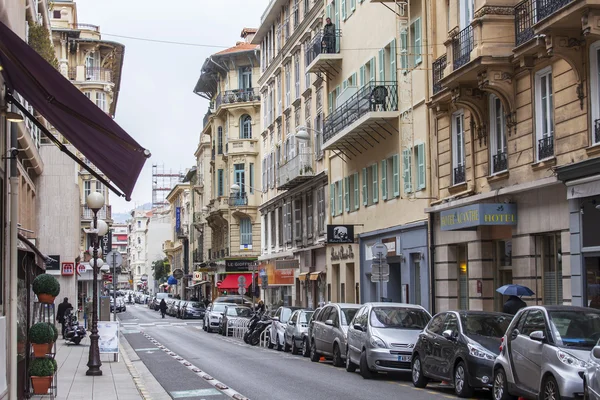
pixel 197 256
pixel 499 162
pixel 374 96
pixel 524 21
pixel 462 46
pixel 104 213
pixel 238 199
pixel 438 73
pixel 322 43
pixel 597 131
pixel 546 147
pixel 237 96
pixel 459 174
pixel 545 8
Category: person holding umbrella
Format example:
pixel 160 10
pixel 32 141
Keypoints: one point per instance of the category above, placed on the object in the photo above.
pixel 514 293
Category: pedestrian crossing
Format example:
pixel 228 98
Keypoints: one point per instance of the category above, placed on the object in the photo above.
pixel 135 327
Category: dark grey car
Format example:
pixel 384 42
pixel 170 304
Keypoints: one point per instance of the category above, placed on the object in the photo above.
pixel 329 332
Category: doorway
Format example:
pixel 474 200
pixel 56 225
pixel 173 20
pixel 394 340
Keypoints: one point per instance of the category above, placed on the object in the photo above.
pixel 504 272
pixel 416 267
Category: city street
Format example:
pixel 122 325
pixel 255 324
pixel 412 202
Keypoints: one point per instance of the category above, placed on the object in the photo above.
pixel 253 372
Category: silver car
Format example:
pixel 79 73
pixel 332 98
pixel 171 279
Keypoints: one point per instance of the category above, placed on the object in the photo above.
pixel 591 378
pixel 329 332
pixel 213 315
pixel 382 336
pixel 296 330
pixel 544 353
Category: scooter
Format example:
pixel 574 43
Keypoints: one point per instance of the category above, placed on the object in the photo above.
pixel 252 325
pixel 74 333
pixel 264 323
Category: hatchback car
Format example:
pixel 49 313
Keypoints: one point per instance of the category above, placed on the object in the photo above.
pixel 382 335
pixel 459 347
pixel 329 332
pixel 544 353
pixel 307 339
pixel 296 330
pixel 232 315
pixel 213 315
pixel 280 319
pixel 193 310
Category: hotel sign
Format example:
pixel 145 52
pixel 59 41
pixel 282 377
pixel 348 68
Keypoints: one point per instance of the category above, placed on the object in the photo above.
pixel 475 215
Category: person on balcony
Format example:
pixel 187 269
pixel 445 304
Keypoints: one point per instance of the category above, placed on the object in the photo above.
pixel 329 36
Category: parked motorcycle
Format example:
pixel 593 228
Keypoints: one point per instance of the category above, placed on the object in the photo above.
pixel 252 325
pixel 74 333
pixel 259 327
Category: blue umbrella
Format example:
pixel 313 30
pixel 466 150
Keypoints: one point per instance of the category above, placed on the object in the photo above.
pixel 515 290
pixel 172 280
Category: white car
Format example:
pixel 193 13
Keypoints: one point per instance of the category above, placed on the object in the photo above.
pixel 213 315
pixel 278 326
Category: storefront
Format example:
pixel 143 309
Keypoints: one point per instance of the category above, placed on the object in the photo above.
pixel 408 260
pixel 311 282
pixel 276 279
pixel 485 241
pixel 235 272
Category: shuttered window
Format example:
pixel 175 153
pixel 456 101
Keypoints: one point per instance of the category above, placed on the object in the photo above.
pixel 375 183
pixel 332 199
pixel 381 62
pixel 347 193
pixel 407 170
pixel 365 193
pixel 384 189
pixel 396 174
pixel 246 232
pixel 393 70
pixel 421 182
pixel 416 38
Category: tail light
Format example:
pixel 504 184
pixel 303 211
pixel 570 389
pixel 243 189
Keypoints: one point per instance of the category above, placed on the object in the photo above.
pixel 501 344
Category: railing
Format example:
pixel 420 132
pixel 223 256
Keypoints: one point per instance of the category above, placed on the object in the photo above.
pixel 104 213
pixel 87 27
pixel 546 147
pixel 462 46
pixel 597 130
pixel 524 21
pixel 438 73
pixel 237 96
pixel 374 96
pixel 459 174
pixel 182 232
pixel 238 327
pixel 238 199
pixel 545 8
pixel 499 162
pixel 98 74
pixel 300 165
pixel 322 43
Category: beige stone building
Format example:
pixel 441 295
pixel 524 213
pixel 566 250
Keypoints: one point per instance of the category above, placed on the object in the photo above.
pixel 176 248
pixel 230 177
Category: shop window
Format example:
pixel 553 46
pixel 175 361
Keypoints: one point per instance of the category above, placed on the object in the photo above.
pixel 595 86
pixel 549 262
pixel 590 222
pixel 463 278
pixel 592 277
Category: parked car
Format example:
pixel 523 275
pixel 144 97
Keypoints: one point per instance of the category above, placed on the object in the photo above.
pixel 171 303
pixel 179 308
pixel 213 315
pixel 295 331
pixel 233 312
pixel 381 337
pixel 306 346
pixel 459 347
pixel 237 299
pixel 193 310
pixel 329 332
pixel 545 351
pixel 280 319
pixel 120 304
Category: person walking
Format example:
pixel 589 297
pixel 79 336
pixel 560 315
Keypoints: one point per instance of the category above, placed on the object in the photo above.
pixel 89 311
pixel 60 314
pixel 513 305
pixel 163 307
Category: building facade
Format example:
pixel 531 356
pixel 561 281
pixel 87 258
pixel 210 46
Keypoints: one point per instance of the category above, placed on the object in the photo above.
pixel 159 230
pixel 136 249
pixel 177 247
pixel 119 242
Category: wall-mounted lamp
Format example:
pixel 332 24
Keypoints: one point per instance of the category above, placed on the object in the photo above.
pixel 11 116
pixel 12 153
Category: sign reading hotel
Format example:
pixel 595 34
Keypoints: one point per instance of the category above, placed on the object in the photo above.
pixel 470 217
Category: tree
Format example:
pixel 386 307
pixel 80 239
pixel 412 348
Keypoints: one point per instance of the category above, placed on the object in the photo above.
pixel 39 40
pixel 161 269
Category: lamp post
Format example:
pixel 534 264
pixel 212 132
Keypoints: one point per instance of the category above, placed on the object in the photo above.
pixel 95 201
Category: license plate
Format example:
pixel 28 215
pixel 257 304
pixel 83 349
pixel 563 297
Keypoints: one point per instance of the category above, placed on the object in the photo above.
pixel 405 358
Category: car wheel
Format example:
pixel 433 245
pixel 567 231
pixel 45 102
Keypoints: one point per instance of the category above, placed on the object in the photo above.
pixel 586 391
pixel 365 372
pixel 350 366
pixel 286 346
pixel 500 388
pixel 314 356
pixel 418 379
pixel 337 356
pixel 269 343
pixel 461 381
pixel 305 348
pixel 277 344
pixel 294 347
pixel 550 389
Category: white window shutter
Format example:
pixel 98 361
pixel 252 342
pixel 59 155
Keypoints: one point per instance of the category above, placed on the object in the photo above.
pixel 375 184
pixel 384 179
pixel 396 172
pixel 364 187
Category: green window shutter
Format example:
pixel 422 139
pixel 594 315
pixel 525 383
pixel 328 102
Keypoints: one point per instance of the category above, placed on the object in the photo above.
pixel 393 70
pixel 353 79
pixel 330 102
pixel 328 11
pixel 417 40
pixel 347 193
pixel 344 84
pixel 396 172
pixel 340 194
pixel 364 187
pixel 406 172
pixel 343 4
pixel 421 183
pixel 372 70
pixel 332 199
pixel 362 76
pixel 384 179
pixel 404 49
pixel 352 5
pixel 381 62
pixel 356 195
pixel 375 184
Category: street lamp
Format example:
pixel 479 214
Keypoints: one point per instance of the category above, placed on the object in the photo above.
pixel 95 201
pixel 302 134
pixel 235 188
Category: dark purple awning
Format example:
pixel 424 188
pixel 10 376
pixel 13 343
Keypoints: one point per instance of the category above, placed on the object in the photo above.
pixel 94 133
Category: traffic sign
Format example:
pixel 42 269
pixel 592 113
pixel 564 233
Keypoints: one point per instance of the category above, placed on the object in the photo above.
pixel 379 278
pixel 242 290
pixel 178 273
pixel 381 269
pixel 114 259
pixel 379 250
pixel 242 280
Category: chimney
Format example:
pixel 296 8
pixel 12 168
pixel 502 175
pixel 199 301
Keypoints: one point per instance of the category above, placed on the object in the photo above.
pixel 248 34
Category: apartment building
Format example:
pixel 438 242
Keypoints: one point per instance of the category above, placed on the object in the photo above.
pixel 137 247
pixel 229 81
pixel 159 230
pixel 119 242
pixel 177 247
pixel 294 165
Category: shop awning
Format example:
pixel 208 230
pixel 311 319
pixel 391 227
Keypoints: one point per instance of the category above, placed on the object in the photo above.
pixel 195 285
pixel 303 276
pixel 25 244
pixel 231 281
pixel 93 132
pixel 315 275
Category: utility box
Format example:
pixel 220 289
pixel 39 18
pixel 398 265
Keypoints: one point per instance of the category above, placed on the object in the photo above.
pixel 104 309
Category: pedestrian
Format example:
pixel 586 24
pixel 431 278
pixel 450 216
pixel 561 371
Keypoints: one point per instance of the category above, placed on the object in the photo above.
pixel 89 311
pixel 513 305
pixel 163 307
pixel 60 314
pixel 329 36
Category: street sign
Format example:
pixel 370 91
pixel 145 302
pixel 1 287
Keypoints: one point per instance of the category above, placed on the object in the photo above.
pixel 379 250
pixel 242 280
pixel 178 273
pixel 381 269
pixel 379 278
pixel 242 290
pixel 114 259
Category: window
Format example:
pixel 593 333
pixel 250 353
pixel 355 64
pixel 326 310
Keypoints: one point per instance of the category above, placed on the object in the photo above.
pixel 533 322
pixel 251 178
pixel 139 224
pixel 297 75
pixel 245 78
pixel 466 8
pixel 458 148
pixel 88 95
pixel 309 215
pixel 404 49
pixel 549 255
pixel 407 170
pixel 92 67
pixel 340 196
pixel 544 120
pixel 381 62
pixel 370 185
pixel 497 135
pixel 87 189
pixel 321 210
pixel 273 228
pixel 220 183
pixel 319 136
pixel 56 14
pixel 288 84
pixel 595 88
pixel 139 240
pixel 463 278
pixel 351 194
pixel 264 175
pixel 420 160
pixel 298 219
pixel 306 6
pixel 280 226
pixel 266 231
pixel 239 177
pixel 220 140
pixel 288 222
pixel 415 32
pixel 101 100
pixel 437 324
pixel 390 177
pixel 245 232
pixel 246 127
pixel 332 199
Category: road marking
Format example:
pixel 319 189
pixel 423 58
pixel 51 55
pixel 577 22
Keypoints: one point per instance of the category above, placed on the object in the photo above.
pixel 128 331
pixel 195 393
pixel 147 349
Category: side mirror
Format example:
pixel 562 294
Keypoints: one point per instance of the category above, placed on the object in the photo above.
pixel 358 327
pixel 275 318
pixel 329 322
pixel 448 334
pixel 596 352
pixel 537 336
pixel 291 323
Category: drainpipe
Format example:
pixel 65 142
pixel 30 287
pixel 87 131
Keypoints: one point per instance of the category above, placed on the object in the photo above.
pixel 13 267
pixel 432 260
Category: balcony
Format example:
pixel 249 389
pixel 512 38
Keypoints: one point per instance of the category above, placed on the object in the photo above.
pixel 438 73
pixel 459 175
pixel 182 232
pixel 238 199
pixel 362 118
pixel 237 96
pixel 524 21
pixel 86 27
pixel 462 45
pixel 546 148
pixel 499 162
pixel 206 119
pixel 90 74
pixel 103 213
pixel 242 146
pixel 296 171
pixel 323 54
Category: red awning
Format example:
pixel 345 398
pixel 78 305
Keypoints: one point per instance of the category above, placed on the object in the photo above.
pixel 94 133
pixel 231 281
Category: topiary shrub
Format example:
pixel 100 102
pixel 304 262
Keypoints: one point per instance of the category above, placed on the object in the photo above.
pixel 41 333
pixel 42 367
pixel 46 284
pixel 54 330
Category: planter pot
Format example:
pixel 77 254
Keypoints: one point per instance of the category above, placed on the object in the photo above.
pixel 46 298
pixel 50 347
pixel 40 350
pixel 41 384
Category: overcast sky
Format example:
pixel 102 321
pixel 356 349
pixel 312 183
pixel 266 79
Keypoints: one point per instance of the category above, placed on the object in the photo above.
pixel 156 103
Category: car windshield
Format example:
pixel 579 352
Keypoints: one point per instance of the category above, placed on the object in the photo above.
pixel 219 307
pixel 576 328
pixel 348 315
pixel 485 324
pixel 399 318
pixel 305 317
pixel 195 305
pixel 240 312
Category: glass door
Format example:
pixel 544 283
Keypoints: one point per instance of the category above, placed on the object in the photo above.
pixel 239 176
pixel 504 273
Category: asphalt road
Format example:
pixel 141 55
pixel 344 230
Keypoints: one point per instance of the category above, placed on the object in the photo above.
pixel 256 373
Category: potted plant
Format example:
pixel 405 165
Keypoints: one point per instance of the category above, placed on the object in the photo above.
pixel 46 287
pixel 54 338
pixel 40 336
pixel 41 371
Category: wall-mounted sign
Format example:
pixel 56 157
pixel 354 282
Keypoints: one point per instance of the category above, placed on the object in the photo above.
pixel 239 265
pixel 53 265
pixel 144 278
pixel 478 215
pixel 340 234
pixel 197 276
pixel 67 268
pixel 80 268
pixel 342 253
pixel 245 247
pixel 390 243
pixel 177 218
pixel 287 264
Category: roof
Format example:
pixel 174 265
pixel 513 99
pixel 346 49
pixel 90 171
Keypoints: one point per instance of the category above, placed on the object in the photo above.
pixel 239 47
